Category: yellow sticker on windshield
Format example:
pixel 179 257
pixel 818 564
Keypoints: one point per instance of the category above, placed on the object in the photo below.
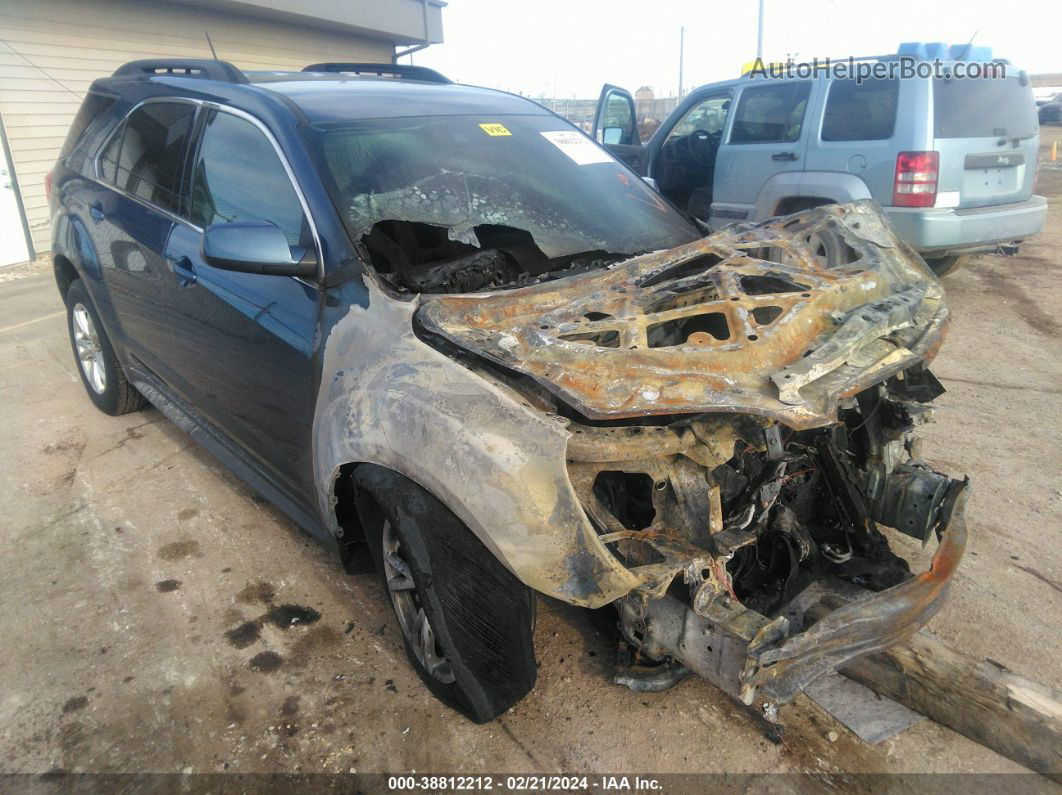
pixel 495 129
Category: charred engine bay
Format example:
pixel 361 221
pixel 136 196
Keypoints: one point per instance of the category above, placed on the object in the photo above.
pixel 742 413
pixel 419 257
pixel 737 507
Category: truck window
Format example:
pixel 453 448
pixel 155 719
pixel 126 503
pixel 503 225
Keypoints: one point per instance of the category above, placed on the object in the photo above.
pixel 982 108
pixel 770 114
pixel 708 115
pixel 863 111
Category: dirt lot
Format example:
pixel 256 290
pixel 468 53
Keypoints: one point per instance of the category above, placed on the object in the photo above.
pixel 132 556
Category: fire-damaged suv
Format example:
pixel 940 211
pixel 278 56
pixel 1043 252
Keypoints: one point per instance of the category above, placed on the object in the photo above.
pixel 459 343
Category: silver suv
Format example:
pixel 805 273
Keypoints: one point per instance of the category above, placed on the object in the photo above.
pixel 952 160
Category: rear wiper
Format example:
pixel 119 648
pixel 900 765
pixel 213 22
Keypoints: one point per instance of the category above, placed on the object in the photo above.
pixel 1016 139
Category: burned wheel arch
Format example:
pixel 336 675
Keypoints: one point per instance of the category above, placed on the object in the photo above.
pixel 388 399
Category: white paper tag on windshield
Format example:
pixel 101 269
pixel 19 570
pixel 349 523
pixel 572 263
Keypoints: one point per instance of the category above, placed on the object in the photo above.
pixel 578 147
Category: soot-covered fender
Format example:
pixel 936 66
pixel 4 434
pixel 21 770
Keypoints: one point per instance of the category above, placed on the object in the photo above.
pixel 388 398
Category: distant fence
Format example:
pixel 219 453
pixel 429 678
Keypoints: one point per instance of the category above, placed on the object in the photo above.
pixel 580 112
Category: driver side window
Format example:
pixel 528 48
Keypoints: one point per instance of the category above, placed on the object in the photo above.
pixel 708 115
pixel 238 176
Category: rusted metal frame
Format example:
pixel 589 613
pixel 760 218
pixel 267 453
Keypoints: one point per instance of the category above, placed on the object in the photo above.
pixel 842 487
pixel 778 668
pixel 687 530
pixel 748 655
pixel 869 322
pixel 526 328
pixel 663 536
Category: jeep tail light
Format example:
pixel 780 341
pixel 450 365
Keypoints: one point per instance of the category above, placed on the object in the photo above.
pixel 48 186
pixel 916 179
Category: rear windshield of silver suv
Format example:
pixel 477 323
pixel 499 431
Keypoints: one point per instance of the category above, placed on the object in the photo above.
pixel 983 108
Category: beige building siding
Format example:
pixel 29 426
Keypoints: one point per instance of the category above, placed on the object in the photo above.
pixel 73 42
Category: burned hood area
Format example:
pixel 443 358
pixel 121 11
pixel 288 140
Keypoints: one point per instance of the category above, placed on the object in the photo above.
pixel 781 319
pixel 743 413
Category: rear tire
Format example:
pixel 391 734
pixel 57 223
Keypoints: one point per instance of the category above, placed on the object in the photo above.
pixel 942 266
pixel 826 247
pixel 467 623
pixel 100 371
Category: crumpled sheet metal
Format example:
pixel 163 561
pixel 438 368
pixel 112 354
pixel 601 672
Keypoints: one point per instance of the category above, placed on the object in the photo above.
pixel 799 336
pixel 387 398
pixel 776 671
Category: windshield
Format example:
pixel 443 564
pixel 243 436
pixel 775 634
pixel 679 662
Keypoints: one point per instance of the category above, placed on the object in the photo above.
pixel 425 190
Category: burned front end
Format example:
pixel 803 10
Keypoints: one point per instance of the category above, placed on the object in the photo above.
pixel 742 415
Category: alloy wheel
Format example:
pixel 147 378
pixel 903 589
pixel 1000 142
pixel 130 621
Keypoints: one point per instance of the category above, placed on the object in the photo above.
pixel 89 351
pixel 412 619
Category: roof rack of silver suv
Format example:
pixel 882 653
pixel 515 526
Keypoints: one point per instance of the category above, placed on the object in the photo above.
pixel 401 71
pixel 203 68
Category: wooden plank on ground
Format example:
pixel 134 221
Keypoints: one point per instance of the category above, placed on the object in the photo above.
pixel 980 699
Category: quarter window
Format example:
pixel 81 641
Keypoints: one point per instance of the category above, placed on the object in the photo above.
pixel 860 111
pixel 151 154
pixel 238 176
pixel 770 114
pixel 75 145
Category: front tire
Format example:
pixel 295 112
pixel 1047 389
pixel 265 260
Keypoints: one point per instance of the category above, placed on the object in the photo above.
pixel 101 373
pixel 466 621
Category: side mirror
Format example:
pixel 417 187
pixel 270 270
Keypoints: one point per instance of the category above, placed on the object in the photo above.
pixel 616 118
pixel 256 247
pixel 651 183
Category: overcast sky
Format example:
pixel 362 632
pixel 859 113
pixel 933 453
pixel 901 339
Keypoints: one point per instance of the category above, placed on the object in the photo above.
pixel 568 48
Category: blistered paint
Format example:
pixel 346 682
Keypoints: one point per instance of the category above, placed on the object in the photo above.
pixel 388 398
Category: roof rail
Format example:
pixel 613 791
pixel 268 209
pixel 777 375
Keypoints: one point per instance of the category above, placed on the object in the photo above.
pixel 203 68
pixel 401 71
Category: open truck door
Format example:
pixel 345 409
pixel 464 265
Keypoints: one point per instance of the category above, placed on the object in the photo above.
pixel 616 127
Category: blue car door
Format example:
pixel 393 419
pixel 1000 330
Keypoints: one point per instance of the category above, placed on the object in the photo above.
pixel 131 212
pixel 242 343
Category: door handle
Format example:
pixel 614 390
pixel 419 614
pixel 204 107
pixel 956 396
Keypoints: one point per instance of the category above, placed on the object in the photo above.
pixel 784 156
pixel 183 270
pixel 96 211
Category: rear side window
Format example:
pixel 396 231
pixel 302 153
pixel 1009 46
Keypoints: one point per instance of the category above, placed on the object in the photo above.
pixel 770 114
pixel 239 176
pixel 148 161
pixel 863 111
pixel 108 159
pixel 982 108
pixel 91 109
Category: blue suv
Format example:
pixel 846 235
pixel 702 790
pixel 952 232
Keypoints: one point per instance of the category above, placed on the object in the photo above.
pixel 462 345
